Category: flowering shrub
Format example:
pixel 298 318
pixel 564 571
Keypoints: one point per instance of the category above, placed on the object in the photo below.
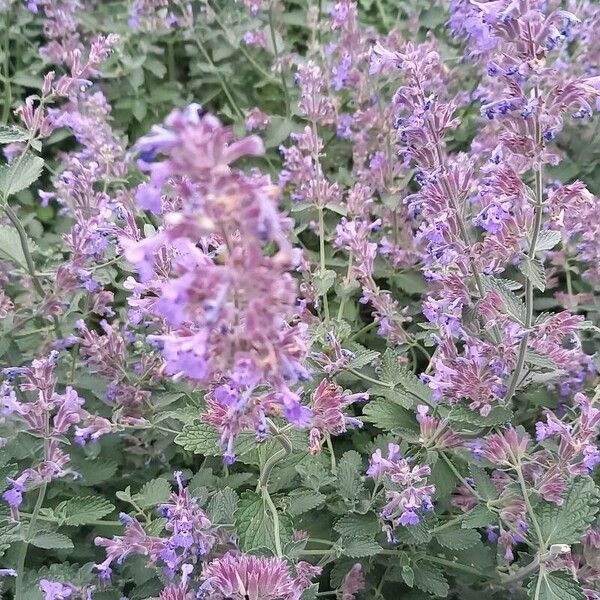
pixel 299 300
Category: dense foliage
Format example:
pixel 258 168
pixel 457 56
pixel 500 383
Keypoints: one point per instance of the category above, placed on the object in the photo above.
pixel 299 299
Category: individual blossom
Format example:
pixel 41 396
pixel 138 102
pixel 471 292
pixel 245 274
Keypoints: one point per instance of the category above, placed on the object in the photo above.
pixel 328 402
pixel 353 584
pixel 257 119
pixel 507 448
pixel 435 433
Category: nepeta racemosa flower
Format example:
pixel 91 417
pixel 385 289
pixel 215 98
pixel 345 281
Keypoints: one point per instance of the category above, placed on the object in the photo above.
pixel 226 305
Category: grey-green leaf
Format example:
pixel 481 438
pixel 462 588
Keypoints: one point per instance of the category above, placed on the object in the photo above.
pixel 456 538
pixel 11 133
pixel 350 484
pixel 557 585
pixel 567 523
pixel 52 541
pixel 533 269
pixel 431 579
pixel 10 246
pixel 20 174
pixel 83 509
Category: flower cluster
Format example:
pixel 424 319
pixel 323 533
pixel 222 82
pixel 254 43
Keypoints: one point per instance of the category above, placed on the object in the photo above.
pixel 408 495
pixel 49 415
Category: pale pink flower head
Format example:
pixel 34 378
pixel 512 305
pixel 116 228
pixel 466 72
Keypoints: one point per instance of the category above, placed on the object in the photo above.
pixel 246 577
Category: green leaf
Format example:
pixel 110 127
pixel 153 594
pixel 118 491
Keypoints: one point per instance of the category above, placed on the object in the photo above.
pixel 20 174
pixel 483 483
pixel 199 438
pixel 153 492
pixel 360 547
pixel 547 240
pixel 52 541
pixel 12 133
pixel 514 305
pixel 557 585
pixel 533 269
pixel 254 523
pixel 399 384
pixel 362 356
pixel 10 246
pixel 431 579
pixel 567 523
pixel 356 524
pixel 349 480
pixel 277 131
pixel 323 281
pixel 537 359
pixel 82 510
pixel 463 414
pixel 456 538
pixel 478 516
pixel 389 416
pixel 314 475
pixel 222 506
pixel 301 501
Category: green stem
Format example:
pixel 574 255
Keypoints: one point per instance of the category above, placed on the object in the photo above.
pixel 528 288
pixel 286 93
pixel 534 521
pixel 345 295
pixel 98 523
pixel 456 566
pixel 6 67
pixel 25 544
pixel 331 455
pixel 454 470
pixel 322 256
pixel 220 77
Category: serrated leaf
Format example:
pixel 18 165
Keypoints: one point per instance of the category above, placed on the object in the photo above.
pixel 357 524
pixel 51 541
pixel 350 484
pixel 567 523
pixel 82 510
pixel 254 523
pixel 483 483
pixel 360 547
pixel 20 174
pixel 323 281
pixel 463 414
pixel 431 579
pixel 222 506
pixel 199 438
pixel 301 501
pixel 389 416
pixel 154 492
pixel 557 585
pixel 478 516
pixel 11 133
pixel 537 359
pixel 547 240
pixel 513 304
pixel 362 356
pixel 10 246
pixel 407 389
pixel 456 538
pixel 534 270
